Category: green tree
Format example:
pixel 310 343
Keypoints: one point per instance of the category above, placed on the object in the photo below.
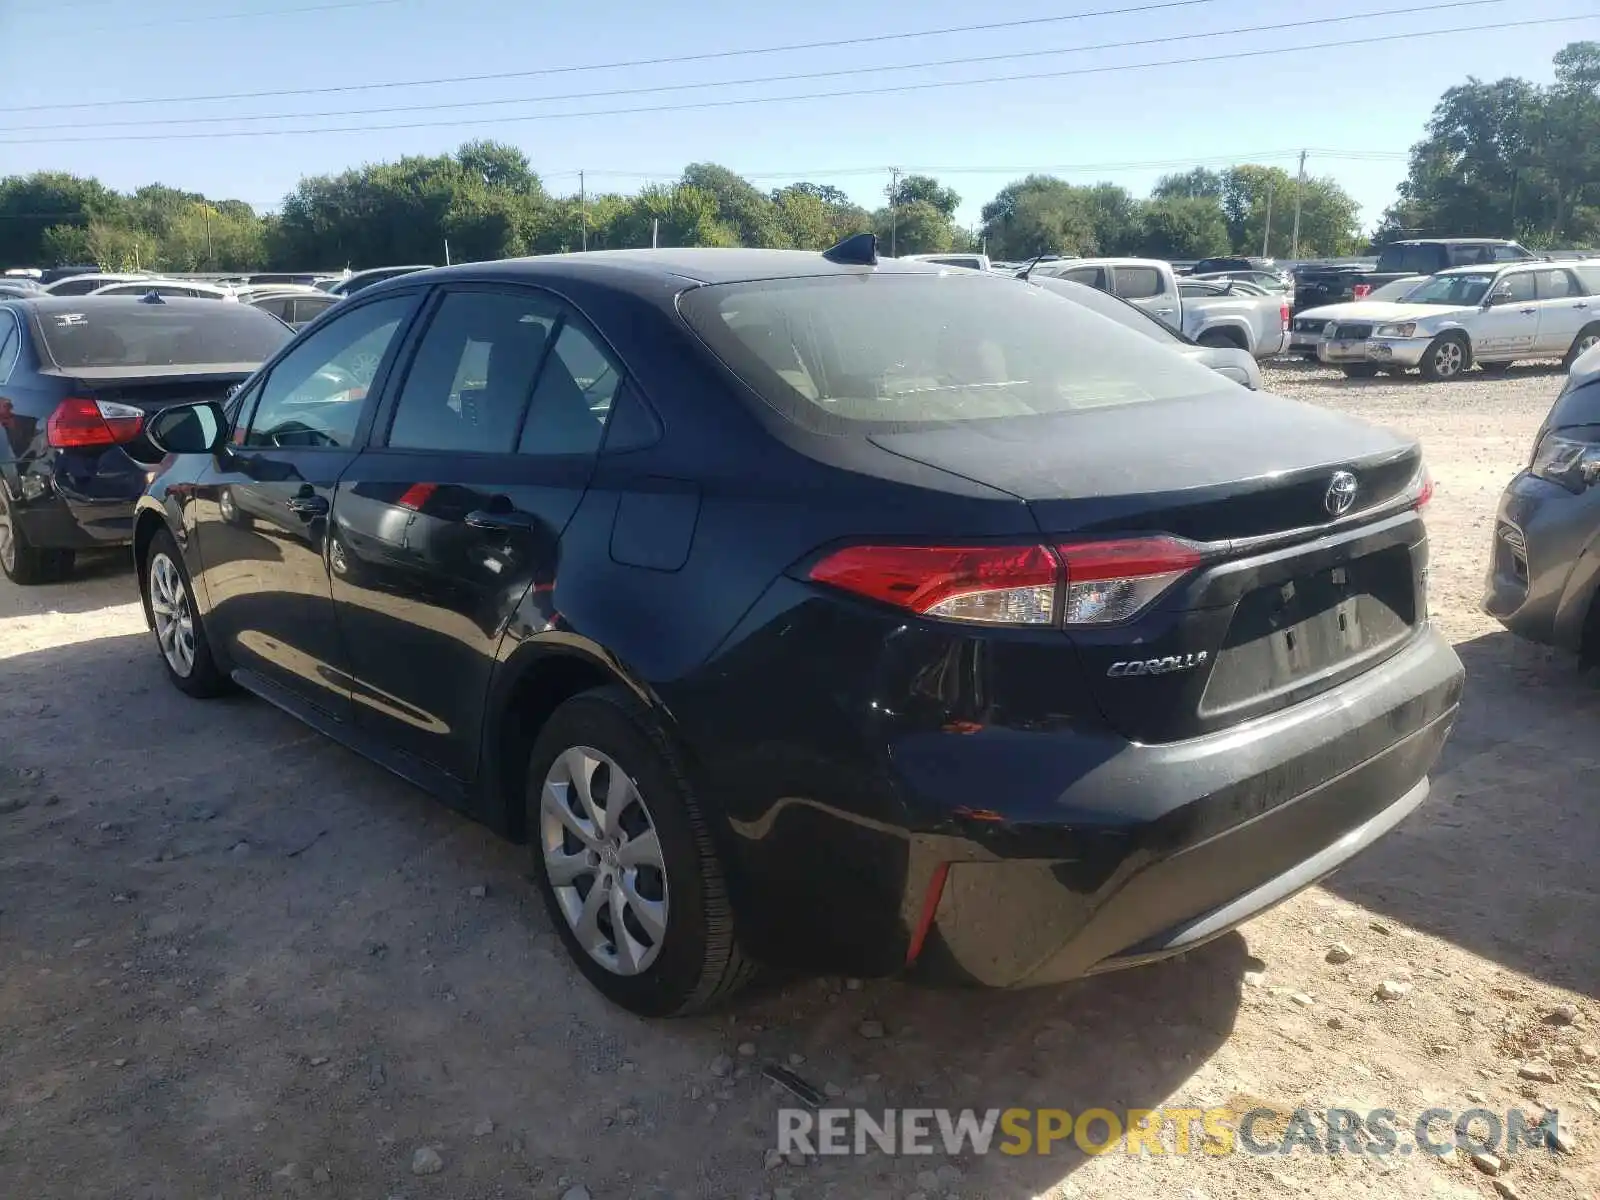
pixel 1039 215
pixel 684 214
pixel 32 204
pixel 914 228
pixel 1329 222
pixel 1179 227
pixel 927 190
pixel 1199 183
pixel 739 205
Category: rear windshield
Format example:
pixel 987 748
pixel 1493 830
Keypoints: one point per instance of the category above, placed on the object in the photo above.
pixel 887 351
pixel 1413 259
pixel 116 333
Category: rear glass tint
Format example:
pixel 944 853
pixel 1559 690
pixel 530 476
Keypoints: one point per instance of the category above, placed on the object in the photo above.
pixel 117 333
pixel 839 352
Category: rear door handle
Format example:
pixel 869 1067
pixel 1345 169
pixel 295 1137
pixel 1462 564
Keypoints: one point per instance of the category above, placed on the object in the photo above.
pixel 308 506
pixel 1527 312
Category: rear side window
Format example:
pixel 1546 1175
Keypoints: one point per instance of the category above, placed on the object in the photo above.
pixel 278 306
pixel 570 405
pixel 473 372
pixel 1088 276
pixel 1414 259
pixel 842 353
pixel 1589 276
pixel 1511 254
pixel 1556 285
pixel 309 308
pixel 1138 283
pixel 108 332
pixel 10 346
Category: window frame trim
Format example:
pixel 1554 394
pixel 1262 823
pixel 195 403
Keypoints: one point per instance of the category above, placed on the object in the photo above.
pixel 9 317
pixel 377 391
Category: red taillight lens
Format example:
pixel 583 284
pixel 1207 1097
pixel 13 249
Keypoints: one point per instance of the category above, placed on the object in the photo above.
pixel 79 423
pixel 415 496
pixel 1424 492
pixel 1112 581
pixel 1103 582
pixel 1361 291
pixel 998 585
pixel 1283 313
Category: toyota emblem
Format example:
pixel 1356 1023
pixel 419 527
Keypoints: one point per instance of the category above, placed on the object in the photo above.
pixel 1341 494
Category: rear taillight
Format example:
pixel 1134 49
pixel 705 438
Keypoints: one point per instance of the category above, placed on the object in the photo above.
pixel 79 423
pixel 1283 313
pixel 1361 291
pixel 1084 583
pixel 415 496
pixel 1422 490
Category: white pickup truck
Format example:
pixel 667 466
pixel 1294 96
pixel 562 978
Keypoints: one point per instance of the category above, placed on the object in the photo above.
pixel 1209 312
pixel 1491 316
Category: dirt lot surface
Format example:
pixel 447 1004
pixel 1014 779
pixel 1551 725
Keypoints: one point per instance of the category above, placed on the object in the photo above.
pixel 236 960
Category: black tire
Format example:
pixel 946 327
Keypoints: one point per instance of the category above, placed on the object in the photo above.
pixel 1360 371
pixel 204 679
pixel 698 964
pixel 1395 372
pixel 1494 368
pixel 1447 358
pixel 1588 336
pixel 24 564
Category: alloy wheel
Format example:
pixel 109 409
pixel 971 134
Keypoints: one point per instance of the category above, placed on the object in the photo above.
pixel 8 543
pixel 604 860
pixel 1448 359
pixel 173 615
pixel 1585 344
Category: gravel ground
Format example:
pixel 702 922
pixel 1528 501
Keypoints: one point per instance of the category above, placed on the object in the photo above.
pixel 236 960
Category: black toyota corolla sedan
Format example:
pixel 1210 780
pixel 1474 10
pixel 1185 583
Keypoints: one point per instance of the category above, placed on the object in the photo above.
pixel 78 377
pixel 817 611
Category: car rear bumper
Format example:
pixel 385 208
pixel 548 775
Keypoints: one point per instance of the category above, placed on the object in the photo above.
pixel 70 501
pixel 1543 572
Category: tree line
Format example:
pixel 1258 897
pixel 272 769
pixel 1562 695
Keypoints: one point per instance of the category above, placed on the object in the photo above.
pixel 1508 158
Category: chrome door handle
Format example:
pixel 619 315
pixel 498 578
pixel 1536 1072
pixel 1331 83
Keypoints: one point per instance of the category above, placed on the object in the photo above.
pixel 308 506
pixel 1527 312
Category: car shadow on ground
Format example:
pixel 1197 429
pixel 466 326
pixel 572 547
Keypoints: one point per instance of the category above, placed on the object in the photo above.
pixel 292 940
pixel 99 579
pixel 1326 375
pixel 1504 860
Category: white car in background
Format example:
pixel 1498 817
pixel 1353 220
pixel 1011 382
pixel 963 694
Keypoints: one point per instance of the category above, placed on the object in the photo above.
pixel 1490 315
pixel 1307 327
pixel 188 288
pixel 973 262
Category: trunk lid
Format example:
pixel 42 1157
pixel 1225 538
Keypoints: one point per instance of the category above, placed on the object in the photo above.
pixel 1262 624
pixel 1213 467
pixel 152 389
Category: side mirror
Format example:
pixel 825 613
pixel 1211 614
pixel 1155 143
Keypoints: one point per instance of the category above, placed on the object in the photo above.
pixel 188 429
pixel 1496 298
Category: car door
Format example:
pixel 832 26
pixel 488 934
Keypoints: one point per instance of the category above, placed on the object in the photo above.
pixel 1563 309
pixel 261 509
pixel 457 509
pixel 1509 327
pixel 1144 287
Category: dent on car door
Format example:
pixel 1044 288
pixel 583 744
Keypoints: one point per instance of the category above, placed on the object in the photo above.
pixel 261 509
pixel 457 510
pixel 1510 325
pixel 1563 309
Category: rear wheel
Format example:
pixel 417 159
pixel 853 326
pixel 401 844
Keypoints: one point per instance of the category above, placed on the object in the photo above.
pixel 1588 338
pixel 623 857
pixel 180 634
pixel 26 564
pixel 1361 371
pixel 1446 358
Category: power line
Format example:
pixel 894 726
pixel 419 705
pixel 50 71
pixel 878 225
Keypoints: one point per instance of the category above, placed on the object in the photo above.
pixel 233 16
pixel 788 78
pixel 831 43
pixel 759 100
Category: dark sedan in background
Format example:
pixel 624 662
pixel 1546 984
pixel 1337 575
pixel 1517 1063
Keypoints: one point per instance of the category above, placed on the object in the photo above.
pixel 78 377
pixel 815 610
pixel 1544 566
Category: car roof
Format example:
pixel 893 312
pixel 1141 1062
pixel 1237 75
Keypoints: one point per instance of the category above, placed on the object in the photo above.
pixel 47 304
pixel 647 269
pixel 1461 241
pixel 1481 267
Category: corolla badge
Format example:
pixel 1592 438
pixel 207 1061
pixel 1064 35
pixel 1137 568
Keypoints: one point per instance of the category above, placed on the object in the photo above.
pixel 1158 666
pixel 1341 493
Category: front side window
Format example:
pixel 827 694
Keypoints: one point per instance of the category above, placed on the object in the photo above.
pixel 1514 288
pixel 314 396
pixel 862 353
pixel 473 372
pixel 10 346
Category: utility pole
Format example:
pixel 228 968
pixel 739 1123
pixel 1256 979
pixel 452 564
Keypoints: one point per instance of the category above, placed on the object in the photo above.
pixel 583 210
pixel 209 259
pixel 447 252
pixel 655 231
pixel 894 211
pixel 1299 187
pixel 1266 232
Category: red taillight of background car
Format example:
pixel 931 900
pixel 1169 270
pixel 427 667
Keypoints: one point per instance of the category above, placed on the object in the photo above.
pixel 1087 583
pixel 415 496
pixel 1361 291
pixel 79 423
pixel 1423 492
pixel 1283 313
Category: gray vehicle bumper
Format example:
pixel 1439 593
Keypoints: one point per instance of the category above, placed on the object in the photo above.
pixel 1381 352
pixel 1544 565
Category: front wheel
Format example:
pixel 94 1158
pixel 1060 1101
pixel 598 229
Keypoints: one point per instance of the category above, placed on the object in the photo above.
pixel 623 856
pixel 180 634
pixel 1446 358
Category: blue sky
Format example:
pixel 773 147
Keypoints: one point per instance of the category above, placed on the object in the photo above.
pixel 1368 101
